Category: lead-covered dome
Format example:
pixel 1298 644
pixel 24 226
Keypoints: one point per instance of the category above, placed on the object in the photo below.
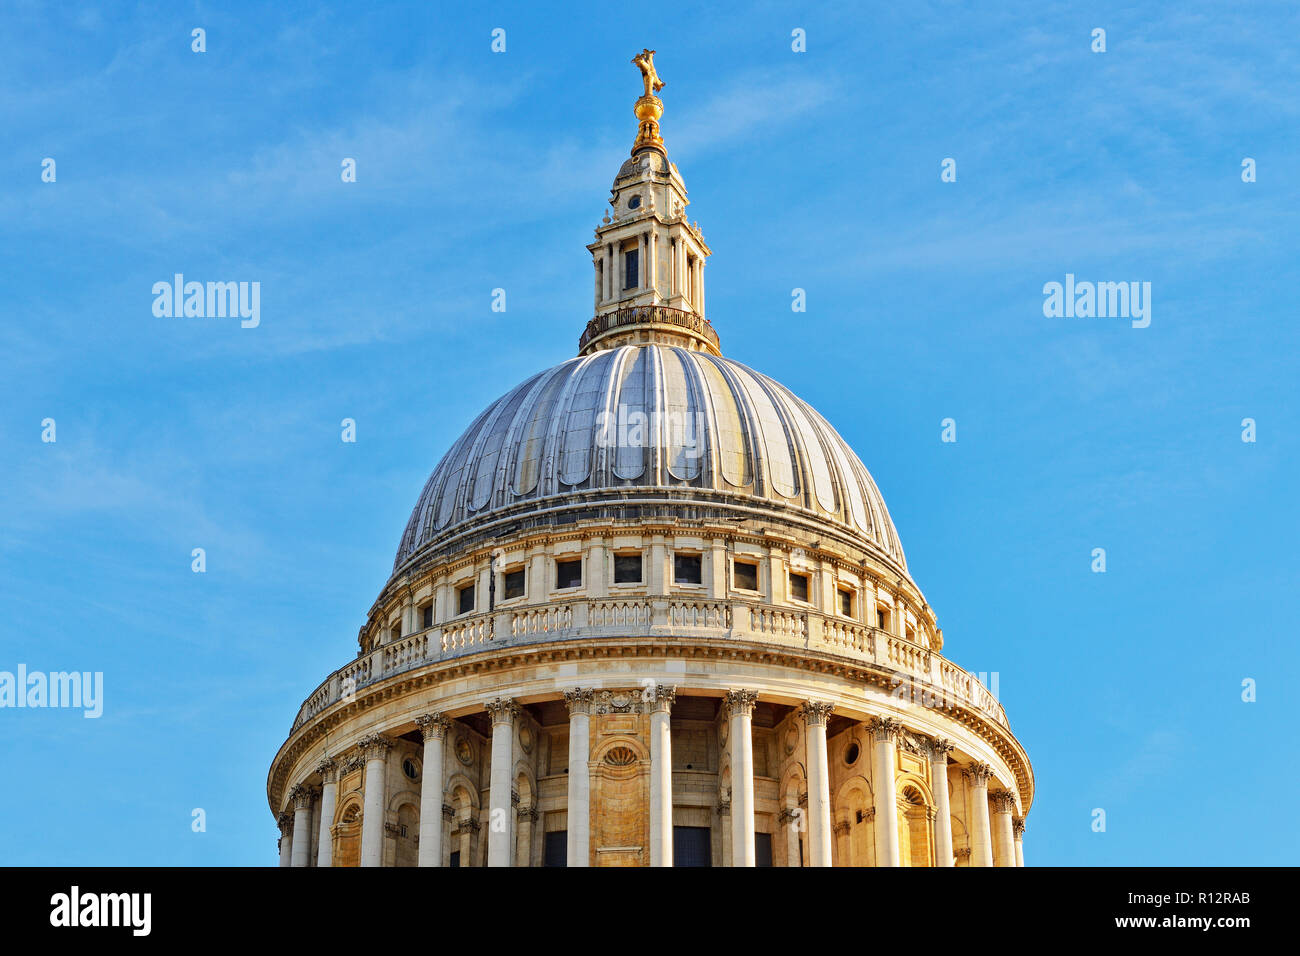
pixel 706 434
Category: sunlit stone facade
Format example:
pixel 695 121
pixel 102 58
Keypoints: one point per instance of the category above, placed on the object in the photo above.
pixel 650 610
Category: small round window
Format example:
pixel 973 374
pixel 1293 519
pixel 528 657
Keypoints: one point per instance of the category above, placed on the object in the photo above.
pixel 411 769
pixel 634 202
pixel 851 754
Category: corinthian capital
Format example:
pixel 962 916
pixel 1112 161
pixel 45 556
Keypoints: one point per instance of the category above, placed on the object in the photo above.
pixel 815 713
pixel 285 822
pixel 433 726
pixel 328 770
pixel 374 747
pixel 502 710
pixel 1018 827
pixel 884 728
pixel 979 773
pixel 302 795
pixel 579 700
pixel 664 698
pixel 741 701
pixel 939 748
pixel 1004 801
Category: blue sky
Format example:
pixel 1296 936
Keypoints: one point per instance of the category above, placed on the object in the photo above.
pixel 817 170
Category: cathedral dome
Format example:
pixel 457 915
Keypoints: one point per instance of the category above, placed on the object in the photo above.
pixel 656 427
pixel 650 608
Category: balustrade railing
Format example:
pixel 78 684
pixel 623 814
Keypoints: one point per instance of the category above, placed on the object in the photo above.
pixel 607 617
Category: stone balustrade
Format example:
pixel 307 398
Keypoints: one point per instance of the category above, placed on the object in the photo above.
pixel 932 676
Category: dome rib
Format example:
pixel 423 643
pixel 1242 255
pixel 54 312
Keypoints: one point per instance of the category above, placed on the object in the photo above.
pixel 708 421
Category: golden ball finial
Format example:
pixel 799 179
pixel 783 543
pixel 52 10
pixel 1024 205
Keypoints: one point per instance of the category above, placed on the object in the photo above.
pixel 649 107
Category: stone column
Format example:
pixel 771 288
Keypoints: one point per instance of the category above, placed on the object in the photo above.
pixel 815 716
pixel 375 749
pixel 884 731
pixel 843 842
pixel 701 292
pixel 977 794
pixel 1018 828
pixel 719 586
pixel 1004 805
pixel 658 578
pixel 661 777
pixel 579 838
pixel 939 750
pixel 302 796
pixel 500 825
pixel 525 817
pixel 596 575
pixel 329 772
pixel 740 708
pixel 641 263
pixel 652 267
pixel 434 728
pixel 285 822
pixel 789 818
pixel 673 246
pixel 724 825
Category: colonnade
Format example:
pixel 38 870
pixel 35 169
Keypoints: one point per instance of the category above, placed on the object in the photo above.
pixel 998 835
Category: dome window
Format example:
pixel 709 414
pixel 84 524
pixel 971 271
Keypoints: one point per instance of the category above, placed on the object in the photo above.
pixel 514 583
pixel 568 574
pixel 426 615
pixel 627 569
pixel 799 587
pixel 882 618
pixel 846 602
pixel 465 599
pixel 631 268
pixel 744 576
pixel 687 569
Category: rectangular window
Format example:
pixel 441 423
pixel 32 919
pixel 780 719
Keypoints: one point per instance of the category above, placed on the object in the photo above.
pixel 744 576
pixel 882 618
pixel 455 858
pixel 846 602
pixel 627 569
pixel 632 276
pixel 686 569
pixel 426 615
pixel 568 574
pixel 762 849
pixel 692 846
pixel 556 850
pixel 465 599
pixel 395 632
pixel 514 583
pixel 799 586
